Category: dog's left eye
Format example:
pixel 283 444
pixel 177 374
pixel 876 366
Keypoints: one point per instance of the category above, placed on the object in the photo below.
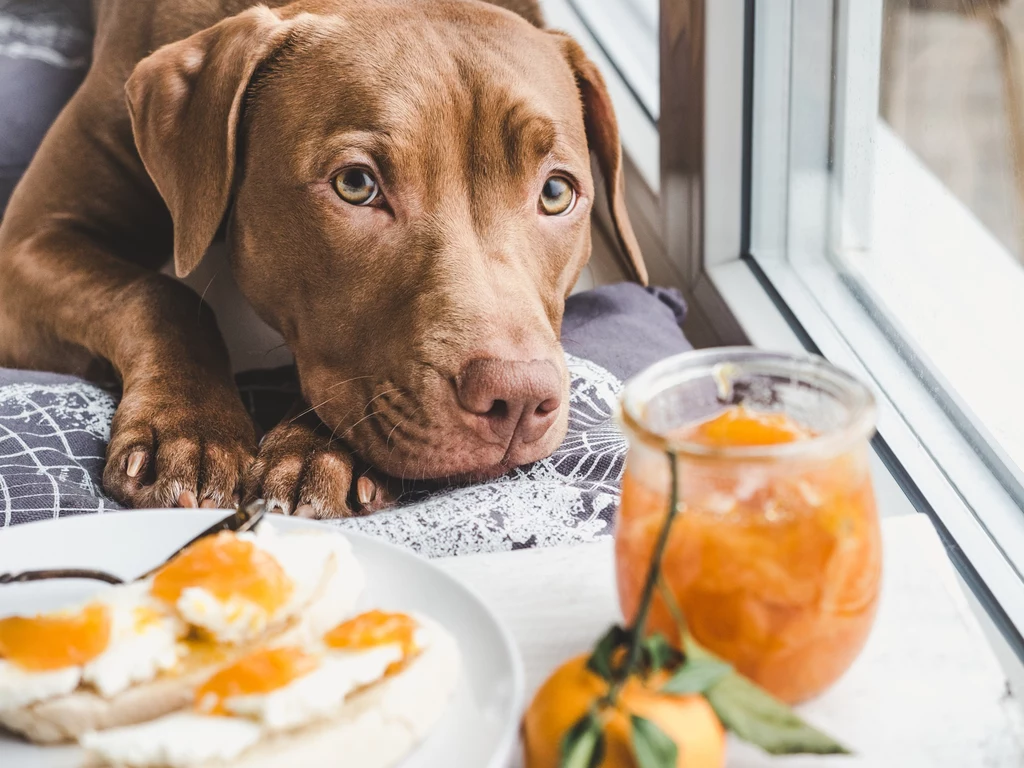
pixel 558 196
pixel 356 186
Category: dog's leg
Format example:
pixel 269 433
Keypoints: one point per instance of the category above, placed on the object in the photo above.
pixel 78 246
pixel 301 470
pixel 180 434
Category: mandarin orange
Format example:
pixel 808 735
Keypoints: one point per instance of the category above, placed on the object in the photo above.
pixel 566 696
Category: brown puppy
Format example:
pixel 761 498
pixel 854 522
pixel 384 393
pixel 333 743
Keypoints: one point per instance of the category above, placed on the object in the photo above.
pixel 407 192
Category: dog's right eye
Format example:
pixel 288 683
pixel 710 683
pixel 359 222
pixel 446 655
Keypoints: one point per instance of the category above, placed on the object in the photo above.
pixel 356 186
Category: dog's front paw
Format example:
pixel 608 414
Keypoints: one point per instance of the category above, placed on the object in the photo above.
pixel 302 473
pixel 170 449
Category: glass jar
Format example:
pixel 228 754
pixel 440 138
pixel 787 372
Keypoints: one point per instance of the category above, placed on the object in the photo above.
pixel 774 559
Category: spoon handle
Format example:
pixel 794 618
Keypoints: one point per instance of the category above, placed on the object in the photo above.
pixel 243 519
pixel 59 573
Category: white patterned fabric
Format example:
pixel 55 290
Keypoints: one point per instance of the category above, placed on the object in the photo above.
pixel 53 433
pixel 568 498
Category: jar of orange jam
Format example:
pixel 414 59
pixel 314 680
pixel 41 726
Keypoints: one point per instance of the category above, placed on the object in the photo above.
pixel 774 557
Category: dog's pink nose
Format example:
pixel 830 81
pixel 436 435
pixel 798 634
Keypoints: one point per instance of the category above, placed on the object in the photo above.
pixel 514 398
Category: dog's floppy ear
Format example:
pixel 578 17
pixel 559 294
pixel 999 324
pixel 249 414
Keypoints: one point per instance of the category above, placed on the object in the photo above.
pixel 603 139
pixel 185 100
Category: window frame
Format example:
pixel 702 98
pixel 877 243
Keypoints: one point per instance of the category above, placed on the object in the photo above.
pixel 943 463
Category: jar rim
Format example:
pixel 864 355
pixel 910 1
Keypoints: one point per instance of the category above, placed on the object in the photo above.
pixel 673 371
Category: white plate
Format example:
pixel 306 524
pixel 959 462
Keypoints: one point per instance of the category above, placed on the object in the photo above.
pixel 479 729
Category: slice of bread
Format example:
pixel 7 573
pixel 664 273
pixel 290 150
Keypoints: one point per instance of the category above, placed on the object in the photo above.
pixel 65 718
pixel 375 727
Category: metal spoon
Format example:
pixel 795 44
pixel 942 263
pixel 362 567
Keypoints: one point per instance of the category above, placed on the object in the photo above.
pixel 242 519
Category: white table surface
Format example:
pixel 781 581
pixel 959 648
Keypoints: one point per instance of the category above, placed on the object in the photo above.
pixel 926 691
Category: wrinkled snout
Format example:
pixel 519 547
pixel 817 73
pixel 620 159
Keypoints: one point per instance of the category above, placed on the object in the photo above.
pixel 511 402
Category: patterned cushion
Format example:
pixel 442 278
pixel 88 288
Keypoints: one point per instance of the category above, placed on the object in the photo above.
pixel 53 433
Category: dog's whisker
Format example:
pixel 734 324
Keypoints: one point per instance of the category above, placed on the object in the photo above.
pixel 275 348
pixel 333 397
pixel 369 415
pixel 347 381
pixel 202 298
pixel 400 423
pixel 391 453
pixel 330 440
pixel 385 392
pixel 313 408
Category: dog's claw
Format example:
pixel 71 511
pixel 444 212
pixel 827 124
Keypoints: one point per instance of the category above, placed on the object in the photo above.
pixel 208 504
pixel 366 490
pixel 188 499
pixel 135 462
pixel 305 510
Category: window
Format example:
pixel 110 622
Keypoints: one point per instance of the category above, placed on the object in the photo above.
pixel 847 176
pixel 621 37
pixel 627 31
pixel 884 211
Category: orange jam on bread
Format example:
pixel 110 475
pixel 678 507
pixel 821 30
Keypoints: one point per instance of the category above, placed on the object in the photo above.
pixel 775 563
pixel 262 671
pixel 226 566
pixel 55 641
pixel 373 629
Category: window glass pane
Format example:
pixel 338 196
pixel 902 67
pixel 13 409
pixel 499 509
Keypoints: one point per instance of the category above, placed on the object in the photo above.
pixel 647 11
pixel 627 31
pixel 905 179
pixel 950 91
pixel 945 259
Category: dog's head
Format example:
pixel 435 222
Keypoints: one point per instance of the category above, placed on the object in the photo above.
pixel 410 191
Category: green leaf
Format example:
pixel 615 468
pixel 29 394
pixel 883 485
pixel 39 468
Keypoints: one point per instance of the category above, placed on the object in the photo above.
pixel 756 716
pixel 657 651
pixel 600 661
pixel 696 676
pixel 651 746
pixel 583 744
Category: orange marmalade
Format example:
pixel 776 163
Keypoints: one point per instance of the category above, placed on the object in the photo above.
pixel 262 671
pixel 775 563
pixel 55 641
pixel 373 629
pixel 226 566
